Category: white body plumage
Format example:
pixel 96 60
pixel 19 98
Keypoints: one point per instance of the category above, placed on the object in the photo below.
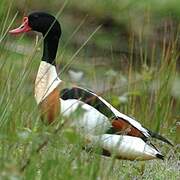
pixel 46 81
pixel 92 124
pixel 123 146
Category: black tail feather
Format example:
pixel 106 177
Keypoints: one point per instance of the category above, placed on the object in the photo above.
pixel 158 136
pixel 160 156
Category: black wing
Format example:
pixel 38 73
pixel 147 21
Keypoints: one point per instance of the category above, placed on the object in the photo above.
pixel 119 124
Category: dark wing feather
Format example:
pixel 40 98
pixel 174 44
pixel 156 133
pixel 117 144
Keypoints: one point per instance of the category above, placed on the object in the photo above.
pixel 119 124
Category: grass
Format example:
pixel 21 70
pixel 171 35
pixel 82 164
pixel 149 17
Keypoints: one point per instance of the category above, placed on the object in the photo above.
pixel 58 154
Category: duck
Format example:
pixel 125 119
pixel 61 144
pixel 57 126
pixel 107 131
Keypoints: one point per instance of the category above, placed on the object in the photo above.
pixel 100 124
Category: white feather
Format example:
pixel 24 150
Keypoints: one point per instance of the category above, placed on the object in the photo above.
pixel 123 116
pixel 46 81
pixel 93 125
pixel 123 146
pixel 90 121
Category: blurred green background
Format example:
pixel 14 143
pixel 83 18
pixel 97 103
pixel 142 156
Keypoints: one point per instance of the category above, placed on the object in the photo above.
pixel 146 23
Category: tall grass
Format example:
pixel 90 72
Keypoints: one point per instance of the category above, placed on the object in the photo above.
pixel 58 154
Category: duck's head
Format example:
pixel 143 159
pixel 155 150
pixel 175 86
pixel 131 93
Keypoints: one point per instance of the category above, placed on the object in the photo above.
pixel 46 24
pixel 39 21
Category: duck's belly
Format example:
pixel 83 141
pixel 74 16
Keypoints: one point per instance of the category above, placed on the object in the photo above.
pixel 93 126
pixel 84 117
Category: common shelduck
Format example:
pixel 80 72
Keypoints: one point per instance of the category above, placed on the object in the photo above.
pixel 100 123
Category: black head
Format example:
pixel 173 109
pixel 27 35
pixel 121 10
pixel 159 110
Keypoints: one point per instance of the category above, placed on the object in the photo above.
pixel 49 26
pixel 44 23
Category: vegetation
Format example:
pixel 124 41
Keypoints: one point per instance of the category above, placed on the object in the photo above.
pixel 131 60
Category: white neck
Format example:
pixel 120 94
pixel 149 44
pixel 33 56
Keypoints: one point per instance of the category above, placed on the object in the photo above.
pixel 46 81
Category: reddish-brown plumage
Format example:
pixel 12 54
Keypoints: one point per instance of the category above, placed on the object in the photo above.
pixel 125 127
pixel 50 106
